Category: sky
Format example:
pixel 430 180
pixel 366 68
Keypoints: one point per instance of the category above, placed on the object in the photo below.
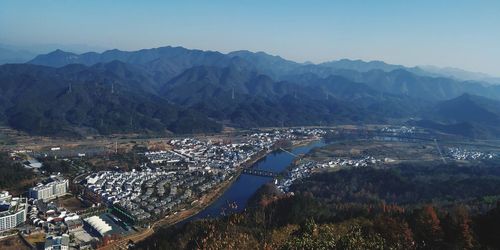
pixel 454 33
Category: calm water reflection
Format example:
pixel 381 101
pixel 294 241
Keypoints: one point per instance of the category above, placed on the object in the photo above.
pixel 246 185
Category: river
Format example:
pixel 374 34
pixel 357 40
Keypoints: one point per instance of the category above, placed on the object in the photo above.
pixel 245 186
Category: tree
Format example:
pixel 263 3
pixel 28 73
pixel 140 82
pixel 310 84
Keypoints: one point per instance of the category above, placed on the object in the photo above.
pixel 395 231
pixel 428 231
pixel 462 222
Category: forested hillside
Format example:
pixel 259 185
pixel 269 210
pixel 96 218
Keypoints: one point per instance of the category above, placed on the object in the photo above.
pixel 178 90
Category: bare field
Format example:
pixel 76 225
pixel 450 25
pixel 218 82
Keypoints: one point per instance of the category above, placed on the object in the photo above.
pixel 72 203
pixel 13 243
pixel 397 151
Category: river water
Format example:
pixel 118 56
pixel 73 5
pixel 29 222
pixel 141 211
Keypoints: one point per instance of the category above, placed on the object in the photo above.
pixel 245 186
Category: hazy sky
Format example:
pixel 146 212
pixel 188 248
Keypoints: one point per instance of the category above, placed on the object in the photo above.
pixel 455 33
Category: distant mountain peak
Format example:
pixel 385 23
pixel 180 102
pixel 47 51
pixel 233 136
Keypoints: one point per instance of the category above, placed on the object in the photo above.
pixel 460 74
pixel 360 65
pixel 60 52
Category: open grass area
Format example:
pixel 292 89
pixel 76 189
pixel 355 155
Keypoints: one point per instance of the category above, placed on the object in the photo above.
pixel 399 151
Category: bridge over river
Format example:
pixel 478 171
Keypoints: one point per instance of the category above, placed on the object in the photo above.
pixel 266 173
pixel 260 172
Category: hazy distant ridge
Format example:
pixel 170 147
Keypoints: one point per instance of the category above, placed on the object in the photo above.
pixel 174 89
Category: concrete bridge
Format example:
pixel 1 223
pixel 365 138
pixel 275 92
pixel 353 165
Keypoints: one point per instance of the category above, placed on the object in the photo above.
pixel 260 172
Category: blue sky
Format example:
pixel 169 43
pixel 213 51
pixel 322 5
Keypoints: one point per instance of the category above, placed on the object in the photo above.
pixel 457 33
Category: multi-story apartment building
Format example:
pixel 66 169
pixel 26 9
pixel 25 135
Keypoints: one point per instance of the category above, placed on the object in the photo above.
pixel 54 187
pixel 12 211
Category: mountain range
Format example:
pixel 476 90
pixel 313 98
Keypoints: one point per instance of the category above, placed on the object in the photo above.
pixel 179 90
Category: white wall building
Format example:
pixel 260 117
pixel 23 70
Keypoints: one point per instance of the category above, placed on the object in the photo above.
pixel 99 225
pixel 56 188
pixel 57 242
pixel 12 211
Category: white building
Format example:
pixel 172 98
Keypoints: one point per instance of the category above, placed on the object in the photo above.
pixel 57 242
pixel 12 211
pixel 33 164
pixel 99 225
pixel 56 187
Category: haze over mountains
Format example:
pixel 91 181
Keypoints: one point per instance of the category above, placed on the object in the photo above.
pixel 11 55
pixel 173 89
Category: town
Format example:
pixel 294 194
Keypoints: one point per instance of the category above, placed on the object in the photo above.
pixel 466 154
pixel 305 168
pixel 91 209
pixel 122 203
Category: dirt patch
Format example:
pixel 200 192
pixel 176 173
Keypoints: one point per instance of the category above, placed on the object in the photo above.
pixel 13 243
pixel 36 239
pixel 72 204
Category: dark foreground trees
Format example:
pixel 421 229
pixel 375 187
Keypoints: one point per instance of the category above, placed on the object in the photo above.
pixel 12 173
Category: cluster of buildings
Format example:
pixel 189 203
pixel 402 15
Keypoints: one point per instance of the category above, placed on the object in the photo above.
pixel 38 213
pixel 150 192
pixel 160 157
pixel 57 242
pixel 357 162
pixel 314 132
pixel 305 168
pixel 180 175
pixel 172 180
pixel 399 130
pixel 60 226
pixel 212 155
pixel 69 230
pixel 464 154
pixel 51 218
pixel 301 170
pixel 217 155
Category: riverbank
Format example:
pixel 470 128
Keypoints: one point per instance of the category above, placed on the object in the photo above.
pixel 199 205
pixel 202 203
pixel 207 200
pixel 211 199
pixel 305 142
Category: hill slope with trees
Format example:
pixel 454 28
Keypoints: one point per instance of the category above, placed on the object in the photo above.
pixel 407 207
pixel 178 90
